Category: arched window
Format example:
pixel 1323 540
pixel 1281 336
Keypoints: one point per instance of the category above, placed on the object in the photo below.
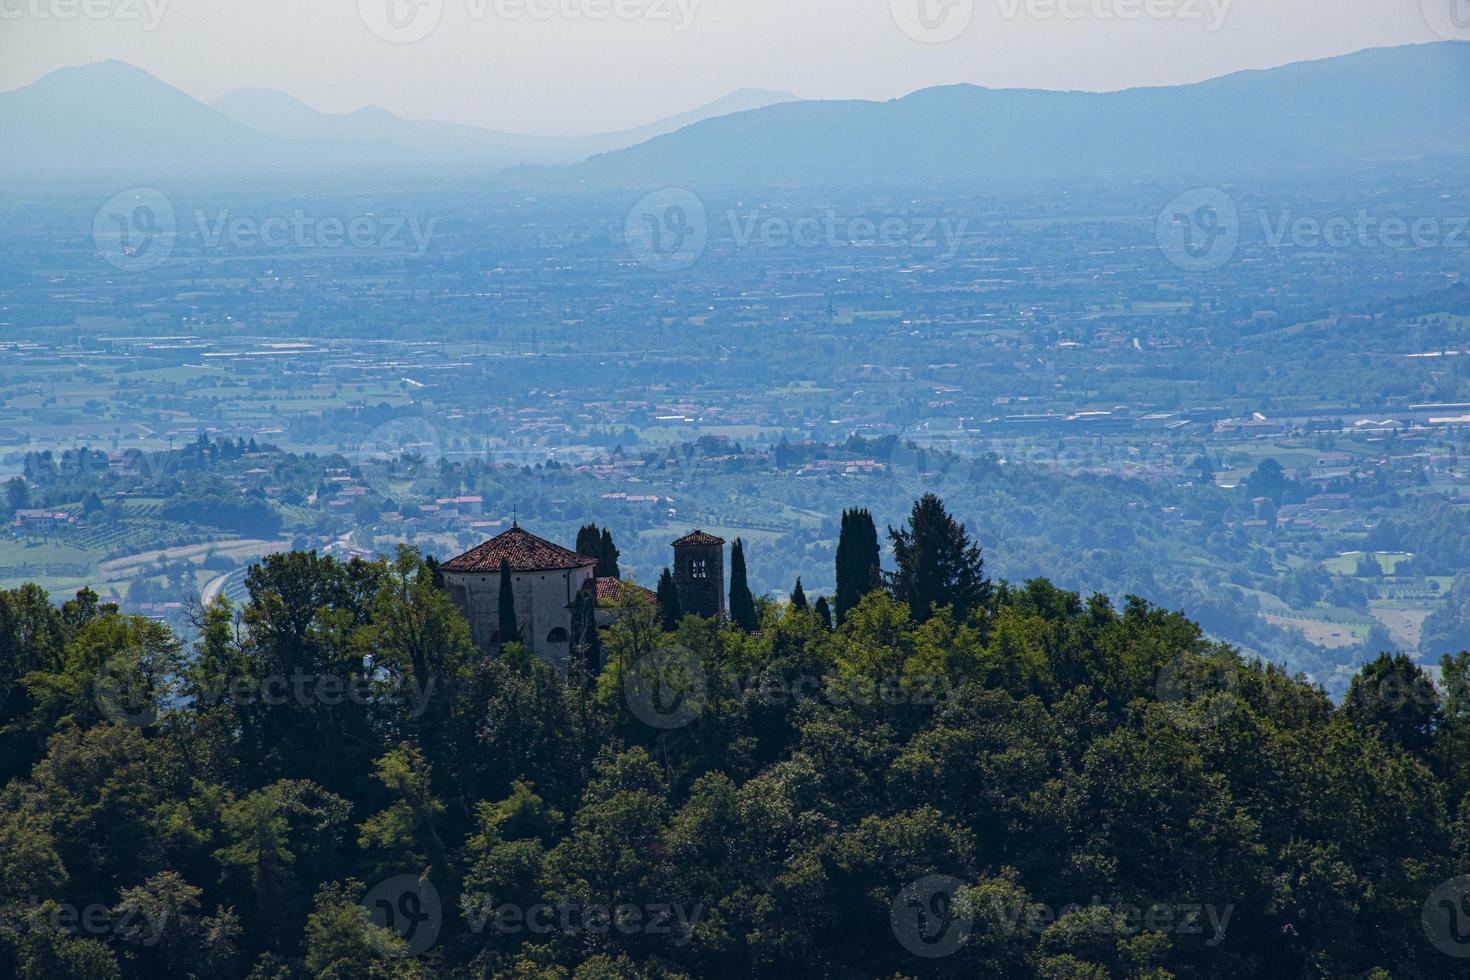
pixel 557 635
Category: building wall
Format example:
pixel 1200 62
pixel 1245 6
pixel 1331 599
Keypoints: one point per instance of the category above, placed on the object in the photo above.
pixel 543 604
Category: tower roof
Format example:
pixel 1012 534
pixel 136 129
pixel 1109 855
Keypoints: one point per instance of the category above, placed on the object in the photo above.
pixel 698 537
pixel 524 551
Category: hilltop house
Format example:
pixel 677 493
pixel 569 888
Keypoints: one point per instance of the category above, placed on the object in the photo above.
pixel 557 591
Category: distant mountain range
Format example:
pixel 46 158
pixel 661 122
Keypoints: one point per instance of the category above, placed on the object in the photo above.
pixel 1380 104
pixel 114 118
pixel 1383 104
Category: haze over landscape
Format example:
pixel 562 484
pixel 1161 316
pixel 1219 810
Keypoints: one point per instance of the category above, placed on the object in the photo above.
pixel 683 488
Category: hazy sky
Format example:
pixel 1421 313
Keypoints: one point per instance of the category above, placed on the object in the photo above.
pixel 588 65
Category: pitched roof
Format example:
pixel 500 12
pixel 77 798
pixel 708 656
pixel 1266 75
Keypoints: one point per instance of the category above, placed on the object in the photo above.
pixel 698 537
pixel 610 589
pixel 524 551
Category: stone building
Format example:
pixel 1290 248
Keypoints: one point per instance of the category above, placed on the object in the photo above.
pixel 550 584
pixel 557 592
pixel 699 574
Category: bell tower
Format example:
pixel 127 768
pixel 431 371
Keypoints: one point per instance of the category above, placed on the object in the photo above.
pixel 699 574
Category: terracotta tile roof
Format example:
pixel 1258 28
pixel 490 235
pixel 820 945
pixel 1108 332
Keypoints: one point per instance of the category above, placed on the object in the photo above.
pixel 609 589
pixel 524 551
pixel 698 537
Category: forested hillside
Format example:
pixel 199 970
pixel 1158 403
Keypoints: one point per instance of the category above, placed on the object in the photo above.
pixel 928 774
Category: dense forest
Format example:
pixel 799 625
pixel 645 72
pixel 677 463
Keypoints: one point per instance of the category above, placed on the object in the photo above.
pixel 928 773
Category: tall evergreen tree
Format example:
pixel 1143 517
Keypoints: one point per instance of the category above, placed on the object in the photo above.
pixel 798 596
pixel 510 630
pixel 742 603
pixel 607 556
pixel 938 565
pixel 589 542
pixel 857 560
pixel 823 611
pixel 668 601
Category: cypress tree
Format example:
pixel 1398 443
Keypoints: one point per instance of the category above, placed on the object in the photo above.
pixel 857 560
pixel 742 603
pixel 510 631
pixel 607 556
pixel 589 542
pixel 668 601
pixel 798 596
pixel 823 611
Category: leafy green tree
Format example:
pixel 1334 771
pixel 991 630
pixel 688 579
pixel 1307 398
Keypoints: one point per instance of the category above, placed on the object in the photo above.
pixel 1394 696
